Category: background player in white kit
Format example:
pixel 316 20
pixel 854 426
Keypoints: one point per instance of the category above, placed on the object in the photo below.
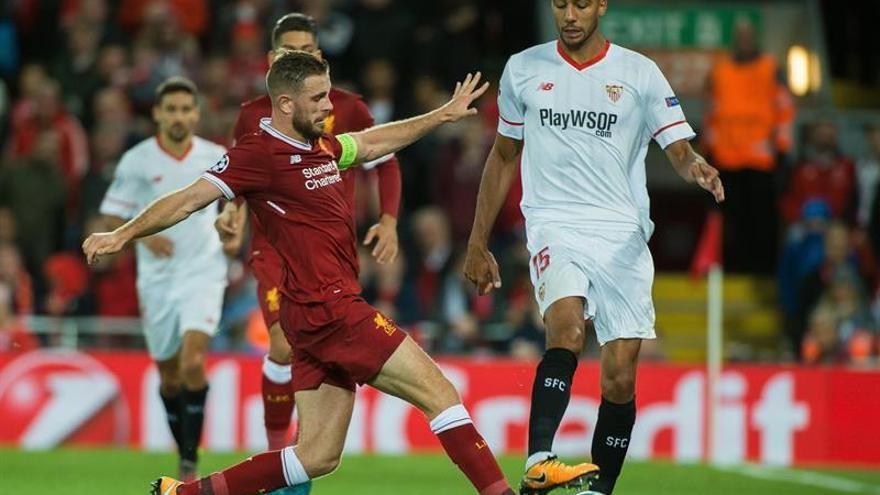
pixel 181 273
pixel 586 110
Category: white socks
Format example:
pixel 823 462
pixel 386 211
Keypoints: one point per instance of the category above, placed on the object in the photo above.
pixel 294 472
pixel 451 418
pixel 276 373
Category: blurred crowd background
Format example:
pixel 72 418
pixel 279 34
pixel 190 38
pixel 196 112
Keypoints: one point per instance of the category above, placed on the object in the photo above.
pixel 801 228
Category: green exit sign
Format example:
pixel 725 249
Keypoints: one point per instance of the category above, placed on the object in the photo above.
pixel 651 25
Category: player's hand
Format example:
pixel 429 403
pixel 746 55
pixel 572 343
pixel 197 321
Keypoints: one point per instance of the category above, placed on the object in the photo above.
pixel 226 223
pixel 160 246
pixel 102 243
pixel 465 93
pixel 707 177
pixel 385 233
pixel 481 269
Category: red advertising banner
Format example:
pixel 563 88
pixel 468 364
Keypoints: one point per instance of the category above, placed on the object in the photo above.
pixel 769 414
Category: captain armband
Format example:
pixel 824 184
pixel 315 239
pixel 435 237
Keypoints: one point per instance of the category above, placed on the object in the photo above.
pixel 349 151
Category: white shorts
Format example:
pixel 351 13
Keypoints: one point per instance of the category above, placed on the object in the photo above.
pixel 613 271
pixel 169 309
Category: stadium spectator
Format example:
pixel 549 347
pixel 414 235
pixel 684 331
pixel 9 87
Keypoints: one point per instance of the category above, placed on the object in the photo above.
pixel 16 279
pixel 14 335
pixel 842 326
pixel 868 174
pixel 421 156
pixel 75 67
pixel 33 189
pixel 192 15
pixel 456 171
pixel 840 261
pixel 823 172
pixel 803 252
pixel 746 132
pixel 379 80
pixel 67 277
pixel 47 113
pixel 248 64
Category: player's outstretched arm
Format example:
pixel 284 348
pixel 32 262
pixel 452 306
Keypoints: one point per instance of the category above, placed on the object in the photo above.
pixel 381 140
pixel 480 267
pixel 162 213
pixel 693 168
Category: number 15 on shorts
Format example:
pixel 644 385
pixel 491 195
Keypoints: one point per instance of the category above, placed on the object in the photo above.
pixel 541 261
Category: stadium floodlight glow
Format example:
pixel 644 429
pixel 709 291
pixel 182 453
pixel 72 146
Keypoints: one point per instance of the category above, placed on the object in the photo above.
pixel 799 70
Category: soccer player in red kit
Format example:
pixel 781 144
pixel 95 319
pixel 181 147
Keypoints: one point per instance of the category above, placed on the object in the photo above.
pixel 297 31
pixel 289 175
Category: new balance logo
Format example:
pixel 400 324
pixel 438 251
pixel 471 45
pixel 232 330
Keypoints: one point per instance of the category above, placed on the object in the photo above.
pixel 545 86
pixel 295 159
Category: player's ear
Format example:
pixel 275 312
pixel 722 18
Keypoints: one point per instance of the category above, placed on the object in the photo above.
pixel 285 103
pixel 603 6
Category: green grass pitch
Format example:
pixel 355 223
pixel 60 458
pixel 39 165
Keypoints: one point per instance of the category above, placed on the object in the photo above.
pixel 123 472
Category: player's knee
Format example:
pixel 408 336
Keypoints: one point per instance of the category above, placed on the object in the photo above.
pixel 568 336
pixel 619 385
pixel 441 396
pixel 323 464
pixel 169 386
pixel 192 369
pixel 279 351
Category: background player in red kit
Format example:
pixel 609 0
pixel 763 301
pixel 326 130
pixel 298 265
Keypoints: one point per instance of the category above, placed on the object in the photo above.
pixel 297 31
pixel 289 175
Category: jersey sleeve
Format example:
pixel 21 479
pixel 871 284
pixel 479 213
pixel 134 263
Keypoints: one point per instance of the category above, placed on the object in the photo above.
pixel 243 170
pixel 125 196
pixel 511 111
pixel 665 118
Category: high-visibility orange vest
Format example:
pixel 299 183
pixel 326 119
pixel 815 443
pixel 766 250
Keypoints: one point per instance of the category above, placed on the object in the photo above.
pixel 750 114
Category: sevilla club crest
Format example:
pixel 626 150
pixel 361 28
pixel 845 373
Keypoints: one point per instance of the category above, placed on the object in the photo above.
pixel 614 91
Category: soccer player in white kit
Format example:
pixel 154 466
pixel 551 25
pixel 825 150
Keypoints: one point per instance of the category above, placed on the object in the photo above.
pixel 581 111
pixel 181 274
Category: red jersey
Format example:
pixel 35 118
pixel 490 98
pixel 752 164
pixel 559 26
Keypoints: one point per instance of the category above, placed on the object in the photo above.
pixel 297 195
pixel 350 114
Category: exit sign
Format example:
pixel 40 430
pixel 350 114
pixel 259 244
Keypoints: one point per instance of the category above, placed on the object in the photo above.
pixel 651 25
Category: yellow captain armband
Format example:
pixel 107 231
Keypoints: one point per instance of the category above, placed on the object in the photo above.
pixel 349 151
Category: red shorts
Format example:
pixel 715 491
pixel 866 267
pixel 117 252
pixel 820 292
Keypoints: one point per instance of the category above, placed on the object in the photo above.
pixel 344 342
pixel 268 267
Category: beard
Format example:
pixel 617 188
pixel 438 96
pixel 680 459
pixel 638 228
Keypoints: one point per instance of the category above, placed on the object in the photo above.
pixel 177 133
pixel 309 130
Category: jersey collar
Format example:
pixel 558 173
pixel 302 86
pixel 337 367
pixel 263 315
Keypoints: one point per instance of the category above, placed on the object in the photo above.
pixel 266 125
pixel 168 152
pixel 584 65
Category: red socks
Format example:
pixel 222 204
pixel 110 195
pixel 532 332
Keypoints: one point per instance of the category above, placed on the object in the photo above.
pixel 469 451
pixel 261 473
pixel 277 392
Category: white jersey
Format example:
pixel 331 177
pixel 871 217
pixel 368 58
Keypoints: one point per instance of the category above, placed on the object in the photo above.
pixel 146 172
pixel 586 129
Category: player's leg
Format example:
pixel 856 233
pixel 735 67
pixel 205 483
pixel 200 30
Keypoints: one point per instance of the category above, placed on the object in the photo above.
pixel 325 414
pixel 198 303
pixel 622 285
pixel 170 386
pixel 194 393
pixel 163 342
pixel 277 389
pixel 617 412
pixel 551 391
pixel 411 375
